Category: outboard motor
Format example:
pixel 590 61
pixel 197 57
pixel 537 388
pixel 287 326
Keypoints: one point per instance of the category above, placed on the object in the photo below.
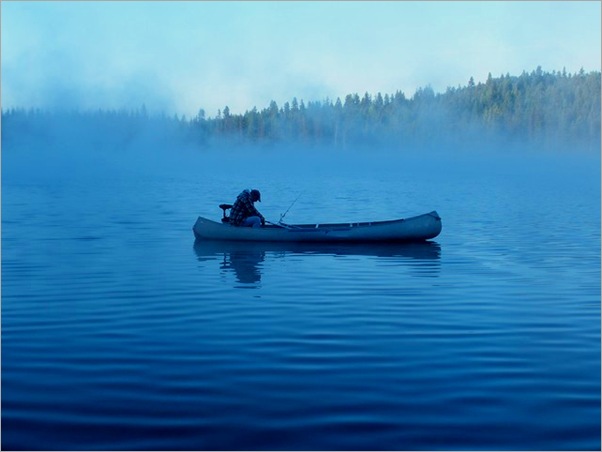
pixel 224 207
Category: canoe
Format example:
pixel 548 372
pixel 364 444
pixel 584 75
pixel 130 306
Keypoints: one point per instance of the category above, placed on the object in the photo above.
pixel 418 228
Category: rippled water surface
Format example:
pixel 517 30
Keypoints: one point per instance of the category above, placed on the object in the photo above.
pixel 120 332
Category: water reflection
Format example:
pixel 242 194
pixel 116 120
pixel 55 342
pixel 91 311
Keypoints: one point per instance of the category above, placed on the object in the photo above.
pixel 245 259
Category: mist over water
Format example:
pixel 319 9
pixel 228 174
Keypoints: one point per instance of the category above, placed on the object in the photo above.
pixel 61 149
pixel 311 173
pixel 119 331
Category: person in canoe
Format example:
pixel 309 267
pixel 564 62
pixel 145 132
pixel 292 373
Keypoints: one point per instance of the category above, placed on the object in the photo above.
pixel 243 211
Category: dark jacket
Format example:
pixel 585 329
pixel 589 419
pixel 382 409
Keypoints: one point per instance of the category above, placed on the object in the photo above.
pixel 243 208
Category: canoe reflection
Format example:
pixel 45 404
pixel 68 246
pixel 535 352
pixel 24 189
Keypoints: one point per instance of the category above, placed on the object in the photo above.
pixel 245 258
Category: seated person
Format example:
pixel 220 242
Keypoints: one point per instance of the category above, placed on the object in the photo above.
pixel 243 211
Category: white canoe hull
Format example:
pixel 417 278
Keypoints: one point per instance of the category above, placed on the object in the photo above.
pixel 422 227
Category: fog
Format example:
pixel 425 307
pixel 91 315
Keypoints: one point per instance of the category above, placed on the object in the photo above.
pixel 521 120
pixel 59 148
pixel 155 165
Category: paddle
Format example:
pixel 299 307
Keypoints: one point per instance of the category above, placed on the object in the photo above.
pixel 281 225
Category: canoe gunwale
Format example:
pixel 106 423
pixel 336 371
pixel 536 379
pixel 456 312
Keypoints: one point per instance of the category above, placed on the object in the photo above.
pixel 344 226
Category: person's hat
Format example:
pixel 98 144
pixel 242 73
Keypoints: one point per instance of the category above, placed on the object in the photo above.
pixel 256 194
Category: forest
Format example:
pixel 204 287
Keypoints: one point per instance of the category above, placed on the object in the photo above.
pixel 547 110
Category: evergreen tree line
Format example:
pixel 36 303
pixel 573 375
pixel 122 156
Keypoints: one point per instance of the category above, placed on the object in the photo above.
pixel 547 109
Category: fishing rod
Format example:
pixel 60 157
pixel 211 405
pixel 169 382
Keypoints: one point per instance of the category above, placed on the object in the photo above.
pixel 289 208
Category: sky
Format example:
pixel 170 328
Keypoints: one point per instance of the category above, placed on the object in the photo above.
pixel 179 57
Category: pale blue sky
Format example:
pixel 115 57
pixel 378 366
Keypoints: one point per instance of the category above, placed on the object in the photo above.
pixel 179 57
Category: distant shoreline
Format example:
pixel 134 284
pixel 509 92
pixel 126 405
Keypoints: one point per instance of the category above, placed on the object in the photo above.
pixel 549 109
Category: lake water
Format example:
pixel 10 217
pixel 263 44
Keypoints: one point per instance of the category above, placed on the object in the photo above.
pixel 120 332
